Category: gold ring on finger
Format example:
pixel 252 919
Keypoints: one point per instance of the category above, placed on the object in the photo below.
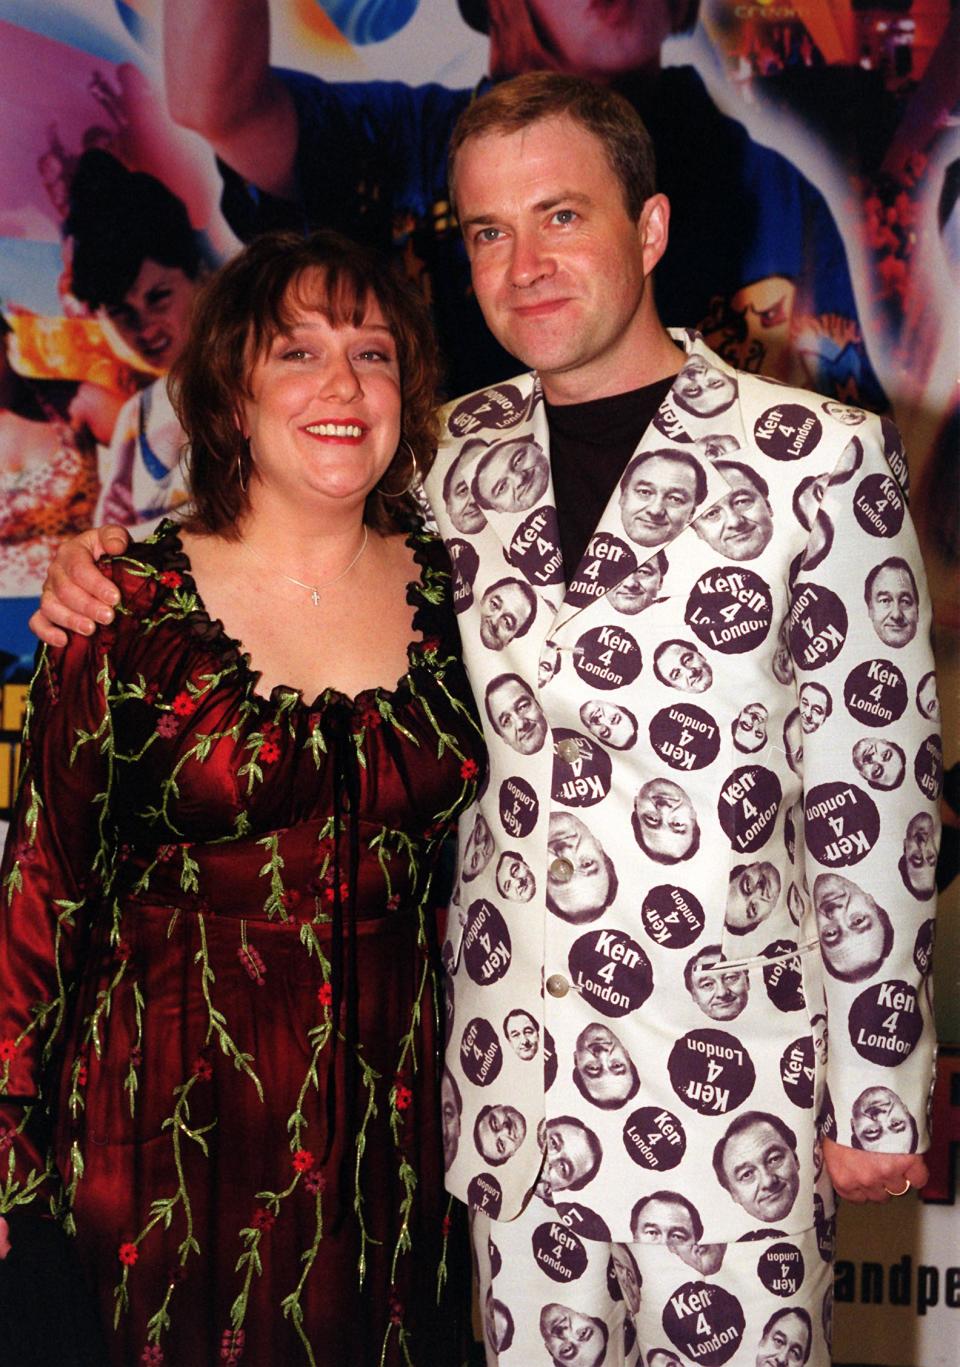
pixel 906 1188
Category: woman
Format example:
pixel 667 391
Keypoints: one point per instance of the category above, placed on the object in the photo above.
pixel 215 975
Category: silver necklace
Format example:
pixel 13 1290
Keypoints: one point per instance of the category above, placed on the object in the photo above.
pixel 312 589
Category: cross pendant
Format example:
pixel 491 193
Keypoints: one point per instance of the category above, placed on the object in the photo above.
pixel 315 598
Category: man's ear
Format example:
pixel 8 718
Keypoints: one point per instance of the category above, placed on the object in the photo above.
pixel 654 230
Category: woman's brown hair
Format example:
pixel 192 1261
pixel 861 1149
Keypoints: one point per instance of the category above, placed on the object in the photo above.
pixel 237 314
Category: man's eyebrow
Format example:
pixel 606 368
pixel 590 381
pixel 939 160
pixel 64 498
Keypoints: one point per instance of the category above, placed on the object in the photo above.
pixel 573 197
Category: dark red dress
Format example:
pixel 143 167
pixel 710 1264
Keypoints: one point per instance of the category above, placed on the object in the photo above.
pixel 198 884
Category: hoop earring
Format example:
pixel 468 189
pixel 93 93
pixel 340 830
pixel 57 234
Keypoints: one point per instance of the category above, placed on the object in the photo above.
pixel 240 479
pixel 414 473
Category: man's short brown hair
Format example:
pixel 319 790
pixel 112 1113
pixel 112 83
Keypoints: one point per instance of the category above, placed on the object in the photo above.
pixel 540 95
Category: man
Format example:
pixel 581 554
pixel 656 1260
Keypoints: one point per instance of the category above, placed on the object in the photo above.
pixel 511 477
pixel 659 494
pixel 680 665
pixel 614 726
pixel 918 864
pixel 879 1117
pixel 749 729
pixel 553 181
pixel 498 1133
pixel 815 706
pixel 881 763
pixel 856 934
pixel 764 266
pixel 669 1219
pixel 756 1163
pixel 573 1339
pixel 581 879
pixel 721 991
pixel 515 880
pixel 478 850
pixel 638 590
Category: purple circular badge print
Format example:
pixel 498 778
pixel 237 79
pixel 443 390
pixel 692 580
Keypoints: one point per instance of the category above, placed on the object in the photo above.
pixel 875 693
pixel 730 610
pixel 606 561
pixel 797 1072
pixel 748 806
pixel 464 563
pixel 535 548
pixel 895 454
pixel 607 657
pixel 826 1229
pixel 611 972
pixel 928 768
pixel 671 916
pixel 519 807
pixel 486 943
pixel 841 824
pixel 654 1139
pixel 783 978
pixel 480 1054
pixel 583 1221
pixel 788 431
pixel 685 736
pixel 558 1252
pixel 485 1194
pixel 885 1022
pixel 826 1125
pixel 704 1323
pixel 818 626
pixel 581 769
pixel 879 505
pixel 781 1269
pixel 711 1071
pixel 492 410
pixel 923 947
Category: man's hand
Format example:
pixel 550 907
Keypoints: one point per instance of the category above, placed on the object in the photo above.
pixel 76 596
pixel 4 1238
pixel 860 1176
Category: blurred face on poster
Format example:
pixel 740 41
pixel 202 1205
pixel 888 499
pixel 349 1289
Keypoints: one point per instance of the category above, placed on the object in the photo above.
pixel 591 39
pixel 153 316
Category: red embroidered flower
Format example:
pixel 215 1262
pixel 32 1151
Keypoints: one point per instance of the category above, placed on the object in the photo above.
pixel 302 1160
pixel 396 1308
pixel 263 1219
pixel 314 719
pixel 393 901
pixel 82 1075
pixel 445 1226
pixel 24 852
pixel 269 752
pixel 314 1181
pixel 152 1355
pixel 325 994
pixel 136 1056
pixel 402 1098
pixel 165 853
pixel 231 1346
pixel 371 718
pixel 330 895
pixel 290 899
pixel 184 705
pixel 151 693
pixel 128 1254
pixel 170 579
pixel 8 1050
pixel 122 951
pixel 270 730
pixel 430 645
pixel 167 726
pixel 202 1068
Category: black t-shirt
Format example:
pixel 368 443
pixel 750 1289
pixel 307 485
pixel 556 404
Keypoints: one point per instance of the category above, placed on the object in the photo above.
pixel 590 444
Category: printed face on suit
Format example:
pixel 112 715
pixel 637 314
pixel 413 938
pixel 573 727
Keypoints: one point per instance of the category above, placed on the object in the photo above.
pixel 515 713
pixel 750 728
pixel 659 493
pixel 740 525
pixel 498 1133
pixel 881 1123
pixel 605 1071
pixel 515 879
pixel 665 822
pixel 450 1108
pixel 639 589
pixel 615 726
pixel 928 704
pixel 893 604
pixel 462 507
pixel 511 477
pixel 573 1339
pixel 720 991
pixel 478 851
pixel 920 854
pixel 702 389
pixel 760 1170
pixel 523 1033
pixel 785 1341
pixel 815 706
pixel 666 1218
pixel 881 762
pixel 506 610
pixel 627 1275
pixel 572 1156
pixel 855 933
pixel 580 878
pixel 681 665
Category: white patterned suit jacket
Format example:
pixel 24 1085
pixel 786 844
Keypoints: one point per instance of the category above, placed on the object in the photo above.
pixel 693 918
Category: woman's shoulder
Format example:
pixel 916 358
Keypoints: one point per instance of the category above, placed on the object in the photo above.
pixel 149 571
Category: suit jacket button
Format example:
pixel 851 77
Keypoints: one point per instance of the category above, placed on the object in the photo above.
pixel 561 870
pixel 557 985
pixel 568 750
